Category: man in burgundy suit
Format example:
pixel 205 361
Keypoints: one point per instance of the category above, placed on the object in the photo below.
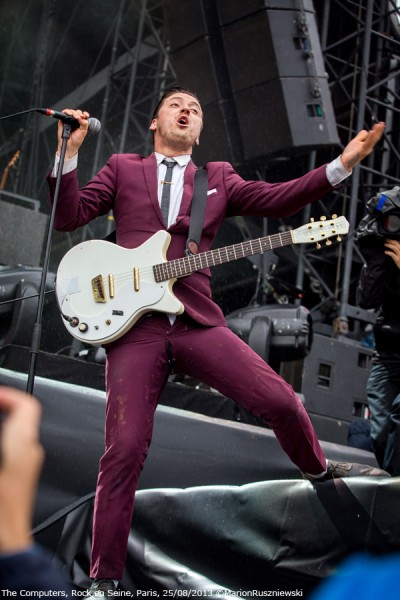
pixel 198 342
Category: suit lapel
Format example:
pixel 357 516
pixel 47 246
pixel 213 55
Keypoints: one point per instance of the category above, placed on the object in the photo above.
pixel 188 189
pixel 150 175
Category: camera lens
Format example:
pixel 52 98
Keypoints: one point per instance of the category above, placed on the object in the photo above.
pixel 391 223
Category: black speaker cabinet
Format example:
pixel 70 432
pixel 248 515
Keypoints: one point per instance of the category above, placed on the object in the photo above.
pixel 233 10
pixel 186 21
pixel 22 232
pixel 278 81
pixel 263 62
pixel 270 45
pixel 195 67
pixel 335 377
pixel 283 116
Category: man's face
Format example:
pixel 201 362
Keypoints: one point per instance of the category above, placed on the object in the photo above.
pixel 178 123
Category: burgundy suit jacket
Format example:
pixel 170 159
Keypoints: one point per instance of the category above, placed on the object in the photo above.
pixel 127 185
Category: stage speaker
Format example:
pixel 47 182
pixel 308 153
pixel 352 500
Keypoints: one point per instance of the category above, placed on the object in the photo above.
pixel 197 67
pixel 22 232
pixel 233 10
pixel 185 22
pixel 278 81
pixel 272 44
pixel 284 118
pixel 218 140
pixel 198 58
pixel 258 68
pixel 335 378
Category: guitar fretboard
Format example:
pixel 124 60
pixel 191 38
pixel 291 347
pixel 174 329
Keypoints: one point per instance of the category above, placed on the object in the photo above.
pixel 181 267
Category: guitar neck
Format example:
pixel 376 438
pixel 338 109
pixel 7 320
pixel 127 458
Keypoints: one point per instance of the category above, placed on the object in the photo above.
pixel 4 179
pixel 181 267
pixel 7 169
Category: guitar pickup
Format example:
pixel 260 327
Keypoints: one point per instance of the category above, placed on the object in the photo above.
pixel 136 279
pixel 99 294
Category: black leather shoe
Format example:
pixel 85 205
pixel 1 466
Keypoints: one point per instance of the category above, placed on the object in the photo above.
pixel 100 588
pixel 337 470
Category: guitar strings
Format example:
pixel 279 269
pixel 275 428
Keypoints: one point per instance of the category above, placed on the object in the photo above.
pixel 183 264
pixel 181 267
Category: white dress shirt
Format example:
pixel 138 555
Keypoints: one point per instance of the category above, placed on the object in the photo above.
pixel 178 173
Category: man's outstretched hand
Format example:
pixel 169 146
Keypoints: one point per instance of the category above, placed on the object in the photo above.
pixel 361 145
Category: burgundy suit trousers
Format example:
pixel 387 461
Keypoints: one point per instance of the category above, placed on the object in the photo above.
pixel 137 370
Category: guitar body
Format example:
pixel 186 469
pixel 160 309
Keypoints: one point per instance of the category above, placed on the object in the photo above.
pixel 102 289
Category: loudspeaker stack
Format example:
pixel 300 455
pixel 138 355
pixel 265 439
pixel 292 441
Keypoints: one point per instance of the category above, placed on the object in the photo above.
pixel 258 69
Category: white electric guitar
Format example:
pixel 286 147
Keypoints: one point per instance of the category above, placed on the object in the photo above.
pixel 103 289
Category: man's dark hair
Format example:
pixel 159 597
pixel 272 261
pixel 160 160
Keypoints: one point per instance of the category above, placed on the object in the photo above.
pixel 169 92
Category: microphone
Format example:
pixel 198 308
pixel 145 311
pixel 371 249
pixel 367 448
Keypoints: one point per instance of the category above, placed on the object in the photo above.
pixel 94 124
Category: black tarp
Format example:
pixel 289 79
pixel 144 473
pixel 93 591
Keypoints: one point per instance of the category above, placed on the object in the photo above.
pixel 269 535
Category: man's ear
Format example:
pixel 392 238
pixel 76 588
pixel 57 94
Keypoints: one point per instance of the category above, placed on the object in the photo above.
pixel 153 125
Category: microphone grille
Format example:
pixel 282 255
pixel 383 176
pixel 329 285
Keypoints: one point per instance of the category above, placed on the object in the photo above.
pixel 94 125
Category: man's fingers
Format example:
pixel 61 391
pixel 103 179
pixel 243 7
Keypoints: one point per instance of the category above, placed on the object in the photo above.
pixel 362 135
pixel 23 410
pixel 11 398
pixel 377 130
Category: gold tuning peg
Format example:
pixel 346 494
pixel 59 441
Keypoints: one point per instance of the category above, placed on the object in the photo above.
pixel 323 219
pixel 312 220
pixel 334 216
pixel 328 242
pixel 318 246
pixel 339 239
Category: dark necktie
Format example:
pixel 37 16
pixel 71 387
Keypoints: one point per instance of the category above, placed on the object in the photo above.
pixel 166 191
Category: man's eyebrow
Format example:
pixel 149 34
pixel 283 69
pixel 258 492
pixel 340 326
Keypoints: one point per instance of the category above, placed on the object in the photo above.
pixel 180 98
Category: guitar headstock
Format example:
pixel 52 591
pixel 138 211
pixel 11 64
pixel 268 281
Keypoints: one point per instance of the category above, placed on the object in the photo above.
pixel 316 231
pixel 8 167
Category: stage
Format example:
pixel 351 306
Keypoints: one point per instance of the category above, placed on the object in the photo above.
pixel 219 507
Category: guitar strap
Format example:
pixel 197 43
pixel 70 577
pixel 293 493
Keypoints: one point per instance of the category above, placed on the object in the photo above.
pixel 197 212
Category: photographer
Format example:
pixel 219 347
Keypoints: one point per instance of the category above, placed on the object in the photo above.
pixel 379 288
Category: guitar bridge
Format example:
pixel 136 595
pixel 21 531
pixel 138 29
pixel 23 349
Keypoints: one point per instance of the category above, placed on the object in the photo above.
pixel 99 294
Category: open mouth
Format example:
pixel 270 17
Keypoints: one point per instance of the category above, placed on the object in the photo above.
pixel 183 121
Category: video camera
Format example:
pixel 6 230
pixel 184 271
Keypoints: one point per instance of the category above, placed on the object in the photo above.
pixel 383 216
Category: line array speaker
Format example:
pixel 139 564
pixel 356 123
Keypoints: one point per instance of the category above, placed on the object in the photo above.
pixel 259 72
pixel 278 81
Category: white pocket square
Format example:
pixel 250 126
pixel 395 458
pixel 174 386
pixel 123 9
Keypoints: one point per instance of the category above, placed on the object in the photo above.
pixel 213 191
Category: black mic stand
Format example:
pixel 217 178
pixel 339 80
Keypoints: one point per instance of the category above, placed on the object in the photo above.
pixel 37 330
